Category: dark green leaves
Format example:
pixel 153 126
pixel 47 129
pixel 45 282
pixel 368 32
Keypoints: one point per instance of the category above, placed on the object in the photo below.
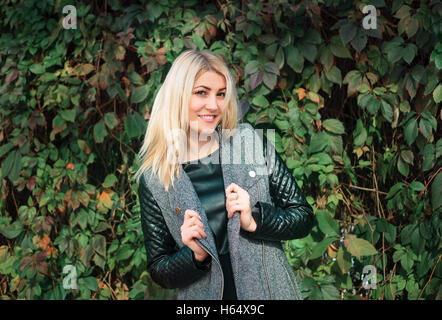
pixel 294 58
pixel 99 245
pixel 111 120
pixel 11 231
pixel 134 125
pixel 262 72
pixel 359 134
pixel 260 101
pixel 319 249
pixel 437 93
pixel 410 131
pixel 338 48
pixel 373 105
pixel 319 142
pixel 348 32
pixel 334 126
pixel 388 229
pixel 89 282
pixel 68 115
pixel 37 68
pixel 124 252
pixel 360 40
pixel 139 94
pixel 251 67
pixel 395 50
pixel 110 180
pixel 327 224
pixel 100 132
pixel 11 166
pixel 334 75
pixel 409 52
pixel 436 192
pixel 387 111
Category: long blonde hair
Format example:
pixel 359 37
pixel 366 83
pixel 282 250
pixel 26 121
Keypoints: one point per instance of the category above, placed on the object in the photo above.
pixel 170 112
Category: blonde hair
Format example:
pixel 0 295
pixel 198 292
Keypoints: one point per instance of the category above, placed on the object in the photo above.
pixel 170 112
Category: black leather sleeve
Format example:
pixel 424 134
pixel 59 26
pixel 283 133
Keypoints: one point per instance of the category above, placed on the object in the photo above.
pixel 290 216
pixel 169 266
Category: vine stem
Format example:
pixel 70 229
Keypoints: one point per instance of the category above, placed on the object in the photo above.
pixel 431 276
pixel 432 178
pixel 367 189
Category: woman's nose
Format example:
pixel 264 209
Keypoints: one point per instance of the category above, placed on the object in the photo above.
pixel 212 104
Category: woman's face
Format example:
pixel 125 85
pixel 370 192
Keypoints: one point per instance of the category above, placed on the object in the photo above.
pixel 207 102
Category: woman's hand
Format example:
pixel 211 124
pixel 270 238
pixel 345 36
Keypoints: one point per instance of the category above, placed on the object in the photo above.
pixel 238 200
pixel 193 228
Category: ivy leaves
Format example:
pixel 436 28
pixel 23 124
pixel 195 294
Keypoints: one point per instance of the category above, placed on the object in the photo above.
pixel 261 72
pixel 349 32
pixel 357 247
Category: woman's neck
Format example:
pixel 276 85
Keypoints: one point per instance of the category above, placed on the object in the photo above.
pixel 197 149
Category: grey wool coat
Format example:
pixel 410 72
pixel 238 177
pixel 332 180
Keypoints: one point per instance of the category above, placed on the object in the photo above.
pixel 260 268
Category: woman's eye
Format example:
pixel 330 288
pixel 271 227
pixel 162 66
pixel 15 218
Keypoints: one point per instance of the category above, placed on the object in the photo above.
pixel 202 92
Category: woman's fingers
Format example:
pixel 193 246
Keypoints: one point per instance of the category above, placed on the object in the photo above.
pixel 232 187
pixel 232 196
pixel 236 207
pixel 199 229
pixel 193 232
pixel 192 227
pixel 190 214
pixel 192 221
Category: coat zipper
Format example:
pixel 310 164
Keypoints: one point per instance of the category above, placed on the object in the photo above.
pixel 220 268
pixel 265 269
pixel 218 127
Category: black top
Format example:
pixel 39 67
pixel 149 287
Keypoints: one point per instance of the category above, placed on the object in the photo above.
pixel 207 179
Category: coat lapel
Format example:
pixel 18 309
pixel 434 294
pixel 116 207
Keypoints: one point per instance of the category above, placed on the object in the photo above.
pixel 183 196
pixel 234 223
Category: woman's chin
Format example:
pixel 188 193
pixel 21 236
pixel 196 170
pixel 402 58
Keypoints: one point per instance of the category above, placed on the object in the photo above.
pixel 207 131
pixel 207 128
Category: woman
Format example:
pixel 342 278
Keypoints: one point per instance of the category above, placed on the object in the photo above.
pixel 214 206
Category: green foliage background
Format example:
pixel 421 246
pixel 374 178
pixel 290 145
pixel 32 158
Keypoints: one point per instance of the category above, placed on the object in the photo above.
pixel 356 111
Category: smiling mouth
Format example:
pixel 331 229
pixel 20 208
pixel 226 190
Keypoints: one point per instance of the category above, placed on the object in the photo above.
pixel 207 117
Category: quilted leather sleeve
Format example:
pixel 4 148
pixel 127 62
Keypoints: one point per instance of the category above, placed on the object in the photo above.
pixel 169 266
pixel 290 216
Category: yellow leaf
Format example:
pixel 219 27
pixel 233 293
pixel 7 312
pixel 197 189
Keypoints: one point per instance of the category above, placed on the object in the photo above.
pixel 105 201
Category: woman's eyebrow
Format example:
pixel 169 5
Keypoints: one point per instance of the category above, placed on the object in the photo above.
pixel 207 88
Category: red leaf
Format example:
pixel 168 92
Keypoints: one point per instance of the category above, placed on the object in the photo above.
pixel 24 262
pixel 31 183
pixel 161 51
pixel 44 242
pixel 32 123
pixel 212 30
pixel 41 256
pixel 161 59
pixel 42 267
